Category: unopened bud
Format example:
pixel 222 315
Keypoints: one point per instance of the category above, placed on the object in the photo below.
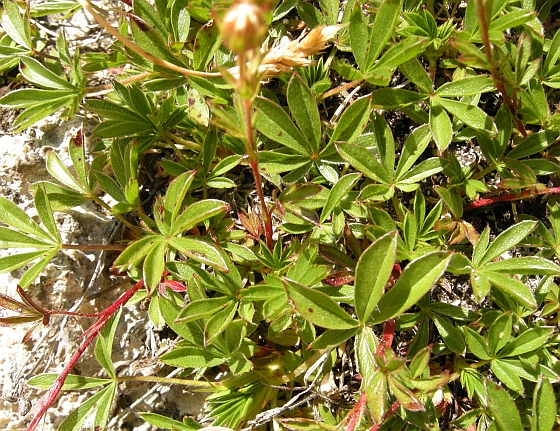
pixel 243 27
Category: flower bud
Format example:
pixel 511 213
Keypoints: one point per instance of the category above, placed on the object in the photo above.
pixel 243 27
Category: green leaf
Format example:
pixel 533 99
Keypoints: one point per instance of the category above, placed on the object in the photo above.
pixel 511 288
pixel 544 406
pixel 466 87
pixel 507 239
pixel 417 278
pixel 202 308
pixel 218 322
pixel 13 216
pixel 503 408
pixel 317 307
pixel 201 251
pixel 193 357
pixel 44 210
pixel 104 344
pixel 382 29
pixel 304 109
pixel 529 341
pixel 179 19
pixel 476 344
pixel 413 148
pixel 359 36
pixel 164 422
pixel 175 195
pixel 353 121
pixel 16 25
pixel 364 161
pixel 78 156
pixel 384 142
pixel 39 75
pixel 196 213
pixel 507 375
pixel 76 419
pixel 10 238
pixel 332 338
pixel 534 144
pixel 32 273
pixel 440 125
pixel 468 114
pixel 395 98
pixel 154 264
pixel 337 193
pixel 110 186
pixel 273 122
pixel 57 169
pixel 372 273
pixel 499 333
pixel 72 382
pixel 449 334
pixel 531 265
pixel 136 251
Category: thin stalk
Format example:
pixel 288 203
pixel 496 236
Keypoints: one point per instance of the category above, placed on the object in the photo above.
pixel 340 88
pixel 104 247
pixel 508 197
pixel 200 386
pixel 134 47
pixel 496 76
pixel 50 396
pixel 251 149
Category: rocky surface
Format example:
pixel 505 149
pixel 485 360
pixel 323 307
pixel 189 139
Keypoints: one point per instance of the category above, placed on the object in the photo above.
pixel 68 282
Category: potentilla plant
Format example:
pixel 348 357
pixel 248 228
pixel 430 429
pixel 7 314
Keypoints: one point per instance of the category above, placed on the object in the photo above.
pixel 307 192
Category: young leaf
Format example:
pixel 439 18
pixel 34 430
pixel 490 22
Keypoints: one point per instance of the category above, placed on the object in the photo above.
pixel 175 195
pixel 372 273
pixel 317 307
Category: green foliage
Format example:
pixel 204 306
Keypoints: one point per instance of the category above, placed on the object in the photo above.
pixel 286 233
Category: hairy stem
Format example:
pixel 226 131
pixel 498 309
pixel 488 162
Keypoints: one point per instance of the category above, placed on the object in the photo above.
pixel 134 47
pixel 508 197
pixel 50 396
pixel 494 69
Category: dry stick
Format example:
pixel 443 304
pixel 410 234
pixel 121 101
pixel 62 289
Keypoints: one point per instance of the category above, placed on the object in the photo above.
pixel 134 47
pixel 50 396
pixel 497 77
pixel 511 197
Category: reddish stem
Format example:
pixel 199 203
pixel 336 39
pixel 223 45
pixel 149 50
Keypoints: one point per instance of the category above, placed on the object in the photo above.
pixel 387 338
pixel 49 397
pixel 356 412
pixel 496 76
pixel 511 197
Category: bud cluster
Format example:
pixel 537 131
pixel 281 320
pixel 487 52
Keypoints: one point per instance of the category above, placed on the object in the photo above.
pixel 243 27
